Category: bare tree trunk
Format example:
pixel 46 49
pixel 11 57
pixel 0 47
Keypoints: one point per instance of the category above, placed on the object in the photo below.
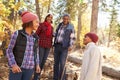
pixel 109 35
pixel 94 17
pixel 81 10
pixel 15 16
pixel 15 19
pixel 11 16
pixel 38 9
pixel 49 6
pixel 42 12
pixel 103 37
pixel 79 27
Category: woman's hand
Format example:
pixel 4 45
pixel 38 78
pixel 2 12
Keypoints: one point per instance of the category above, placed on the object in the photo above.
pixel 38 69
pixel 16 69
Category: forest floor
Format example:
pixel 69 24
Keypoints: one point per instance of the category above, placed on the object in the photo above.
pixel 111 57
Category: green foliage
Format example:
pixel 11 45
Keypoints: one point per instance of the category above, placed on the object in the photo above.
pixel 112 9
pixel 108 4
pixel 58 9
pixel 113 21
pixel 81 1
pixel 71 8
pixel 6 8
pixel 118 31
pixel 4 11
pixel 74 6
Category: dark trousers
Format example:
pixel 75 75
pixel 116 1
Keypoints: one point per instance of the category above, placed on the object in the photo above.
pixel 43 54
pixel 60 55
pixel 26 74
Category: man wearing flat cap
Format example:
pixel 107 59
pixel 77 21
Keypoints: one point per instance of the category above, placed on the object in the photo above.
pixel 91 64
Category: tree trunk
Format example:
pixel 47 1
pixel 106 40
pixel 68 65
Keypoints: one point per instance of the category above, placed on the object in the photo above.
pixel 94 17
pixel 11 16
pixel 49 6
pixel 77 60
pixel 111 71
pixel 79 30
pixel 15 19
pixel 15 16
pixel 42 12
pixel 38 9
pixel 79 26
pixel 109 36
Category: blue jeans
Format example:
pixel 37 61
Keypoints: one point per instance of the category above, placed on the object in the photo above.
pixel 60 55
pixel 43 54
pixel 26 74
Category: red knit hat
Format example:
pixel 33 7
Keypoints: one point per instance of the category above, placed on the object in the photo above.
pixel 92 36
pixel 28 16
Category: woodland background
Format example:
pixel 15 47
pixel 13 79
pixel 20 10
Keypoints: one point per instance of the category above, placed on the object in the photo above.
pixel 99 16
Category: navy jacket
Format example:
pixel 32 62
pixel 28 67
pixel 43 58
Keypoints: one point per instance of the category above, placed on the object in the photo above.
pixel 66 37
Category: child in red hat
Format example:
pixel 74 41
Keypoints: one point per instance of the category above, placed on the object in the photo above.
pixel 91 64
pixel 22 52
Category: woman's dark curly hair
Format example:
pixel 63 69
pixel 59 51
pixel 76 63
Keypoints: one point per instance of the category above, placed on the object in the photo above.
pixel 48 16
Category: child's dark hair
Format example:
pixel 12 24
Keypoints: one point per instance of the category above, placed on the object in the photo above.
pixel 48 16
pixel 25 25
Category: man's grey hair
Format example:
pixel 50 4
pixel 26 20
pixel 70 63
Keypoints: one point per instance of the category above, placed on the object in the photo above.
pixel 66 15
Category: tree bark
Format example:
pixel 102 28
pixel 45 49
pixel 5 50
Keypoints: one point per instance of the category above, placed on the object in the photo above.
pixel 81 10
pixel 79 26
pixel 111 71
pixel 79 30
pixel 49 6
pixel 15 16
pixel 94 17
pixel 11 16
pixel 38 9
pixel 109 36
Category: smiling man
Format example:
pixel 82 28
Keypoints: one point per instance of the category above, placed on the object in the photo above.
pixel 64 40
pixel 91 64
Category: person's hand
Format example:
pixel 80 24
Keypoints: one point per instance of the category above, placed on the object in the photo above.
pixel 70 48
pixel 38 69
pixel 16 69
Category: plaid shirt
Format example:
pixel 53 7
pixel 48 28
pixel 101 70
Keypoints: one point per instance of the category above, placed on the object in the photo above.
pixel 61 33
pixel 44 41
pixel 28 60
